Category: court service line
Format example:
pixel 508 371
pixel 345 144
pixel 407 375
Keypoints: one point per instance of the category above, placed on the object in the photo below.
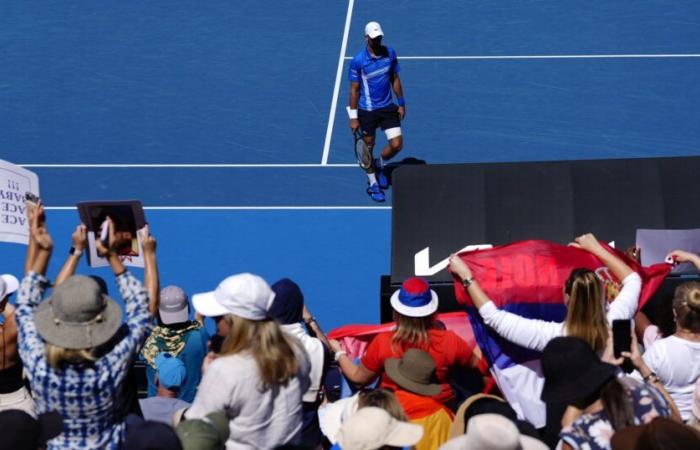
pixel 336 88
pixel 602 56
pixel 185 166
pixel 245 208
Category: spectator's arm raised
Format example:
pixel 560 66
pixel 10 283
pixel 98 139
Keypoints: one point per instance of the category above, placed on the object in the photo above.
pixel 79 241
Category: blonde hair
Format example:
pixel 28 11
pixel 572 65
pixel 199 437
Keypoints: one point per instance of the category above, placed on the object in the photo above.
pixel 384 399
pixel 585 316
pixel 411 332
pixel 270 348
pixel 59 357
pixel 686 304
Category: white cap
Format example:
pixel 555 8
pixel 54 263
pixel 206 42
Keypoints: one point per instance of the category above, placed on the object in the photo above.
pixel 332 416
pixel 8 285
pixel 493 432
pixel 373 29
pixel 243 295
pixel 372 428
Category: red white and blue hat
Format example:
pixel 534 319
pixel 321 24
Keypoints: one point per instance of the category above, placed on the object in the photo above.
pixel 415 298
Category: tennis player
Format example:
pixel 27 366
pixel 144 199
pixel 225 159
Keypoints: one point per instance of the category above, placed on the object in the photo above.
pixel 373 74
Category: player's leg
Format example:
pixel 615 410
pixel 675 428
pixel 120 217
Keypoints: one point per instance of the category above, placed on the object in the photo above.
pixel 391 124
pixel 369 121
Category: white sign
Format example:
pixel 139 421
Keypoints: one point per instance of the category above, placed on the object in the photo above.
pixel 15 182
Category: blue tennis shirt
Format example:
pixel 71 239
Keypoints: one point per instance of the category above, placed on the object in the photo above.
pixel 374 73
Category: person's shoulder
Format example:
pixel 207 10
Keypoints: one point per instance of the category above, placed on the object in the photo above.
pixel 360 56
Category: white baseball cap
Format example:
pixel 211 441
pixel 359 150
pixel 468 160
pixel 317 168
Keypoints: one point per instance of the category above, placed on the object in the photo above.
pixel 243 295
pixel 373 29
pixel 8 285
pixel 493 432
pixel 372 428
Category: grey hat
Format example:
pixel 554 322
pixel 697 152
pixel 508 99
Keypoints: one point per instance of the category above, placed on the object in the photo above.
pixel 78 315
pixel 173 306
pixel 415 372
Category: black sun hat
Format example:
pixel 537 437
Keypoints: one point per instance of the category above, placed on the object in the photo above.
pixel 572 370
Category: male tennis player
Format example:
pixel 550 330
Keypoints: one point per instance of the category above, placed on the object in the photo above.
pixel 377 70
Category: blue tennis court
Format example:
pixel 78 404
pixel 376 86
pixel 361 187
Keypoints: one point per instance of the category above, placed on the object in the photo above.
pixel 227 119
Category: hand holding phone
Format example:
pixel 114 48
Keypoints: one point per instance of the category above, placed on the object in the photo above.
pixel 622 342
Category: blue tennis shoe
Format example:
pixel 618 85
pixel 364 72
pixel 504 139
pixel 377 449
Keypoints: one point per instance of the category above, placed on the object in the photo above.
pixel 381 177
pixel 376 193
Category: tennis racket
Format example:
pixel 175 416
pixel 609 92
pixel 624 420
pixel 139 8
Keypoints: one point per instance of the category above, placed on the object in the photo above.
pixel 362 153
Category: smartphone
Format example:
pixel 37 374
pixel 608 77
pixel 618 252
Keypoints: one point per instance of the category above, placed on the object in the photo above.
pixel 29 197
pixel 622 341
pixel 104 232
pixel 622 336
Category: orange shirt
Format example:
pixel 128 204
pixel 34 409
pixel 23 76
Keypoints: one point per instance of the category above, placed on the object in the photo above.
pixel 446 348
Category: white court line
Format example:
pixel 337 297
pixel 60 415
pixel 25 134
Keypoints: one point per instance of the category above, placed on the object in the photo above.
pixel 336 88
pixel 244 208
pixel 183 166
pixel 603 56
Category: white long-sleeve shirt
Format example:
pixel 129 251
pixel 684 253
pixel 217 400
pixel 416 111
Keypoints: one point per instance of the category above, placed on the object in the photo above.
pixel 522 384
pixel 535 334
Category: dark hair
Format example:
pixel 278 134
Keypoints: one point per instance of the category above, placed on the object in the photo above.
pixel 686 304
pixel 617 405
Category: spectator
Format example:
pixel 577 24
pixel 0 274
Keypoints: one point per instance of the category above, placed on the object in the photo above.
pixel 261 374
pixel 373 428
pixel 333 415
pixel 583 295
pixel 660 434
pixel 586 318
pixel 288 310
pixel 488 404
pixel 601 403
pixel 414 373
pixel 414 307
pixel 208 433
pixel 676 358
pixel 174 334
pixel 13 393
pixel 149 435
pixel 65 342
pixel 23 432
pixel 493 432
pixel 170 374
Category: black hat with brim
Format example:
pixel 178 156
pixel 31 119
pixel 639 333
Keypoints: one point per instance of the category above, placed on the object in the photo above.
pixel 572 370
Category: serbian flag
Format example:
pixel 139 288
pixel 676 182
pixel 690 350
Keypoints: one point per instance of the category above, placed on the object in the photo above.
pixel 356 338
pixel 527 278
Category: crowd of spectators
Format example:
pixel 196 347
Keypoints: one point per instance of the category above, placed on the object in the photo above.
pixel 265 378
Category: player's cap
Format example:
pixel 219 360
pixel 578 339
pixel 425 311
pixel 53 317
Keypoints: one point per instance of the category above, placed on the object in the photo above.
pixel 373 29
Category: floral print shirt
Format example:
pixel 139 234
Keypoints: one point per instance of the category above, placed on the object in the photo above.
pixel 594 431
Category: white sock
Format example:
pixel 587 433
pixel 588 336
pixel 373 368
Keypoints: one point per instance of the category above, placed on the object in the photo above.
pixel 372 178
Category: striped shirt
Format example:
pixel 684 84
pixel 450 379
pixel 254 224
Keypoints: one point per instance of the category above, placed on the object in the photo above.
pixel 85 395
pixel 375 75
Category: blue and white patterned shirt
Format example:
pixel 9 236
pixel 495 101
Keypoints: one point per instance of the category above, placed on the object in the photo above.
pixel 85 395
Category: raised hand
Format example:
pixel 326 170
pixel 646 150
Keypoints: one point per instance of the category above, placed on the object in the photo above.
pixel 38 229
pixel 459 267
pixel 587 242
pixel 79 237
pixel 148 241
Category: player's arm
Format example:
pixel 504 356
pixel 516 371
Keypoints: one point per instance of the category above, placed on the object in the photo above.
pixel 354 100
pixel 398 90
